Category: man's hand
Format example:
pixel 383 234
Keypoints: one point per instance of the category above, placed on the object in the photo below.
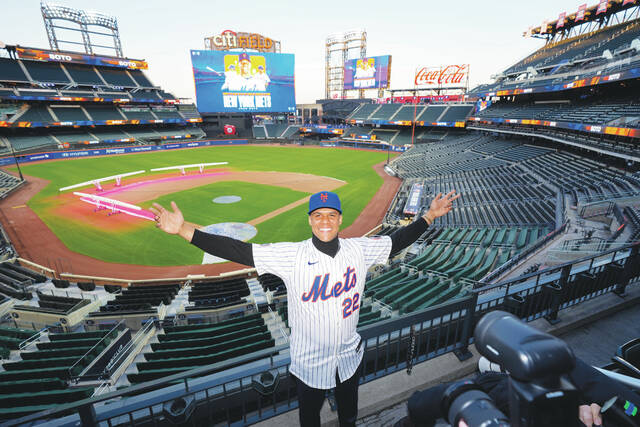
pixel 440 206
pixel 590 415
pixel 172 222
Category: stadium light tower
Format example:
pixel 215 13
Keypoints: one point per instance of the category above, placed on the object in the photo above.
pixel 339 48
pixel 51 14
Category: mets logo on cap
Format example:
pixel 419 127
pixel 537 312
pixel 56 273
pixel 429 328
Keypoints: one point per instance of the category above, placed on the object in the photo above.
pixel 324 199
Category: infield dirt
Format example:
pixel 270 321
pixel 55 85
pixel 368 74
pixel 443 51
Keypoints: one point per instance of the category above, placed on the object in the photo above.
pixel 34 241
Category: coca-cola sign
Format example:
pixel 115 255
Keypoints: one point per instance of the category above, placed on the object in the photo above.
pixel 450 75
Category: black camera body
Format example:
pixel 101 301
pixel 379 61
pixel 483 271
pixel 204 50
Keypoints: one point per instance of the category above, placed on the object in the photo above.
pixel 540 392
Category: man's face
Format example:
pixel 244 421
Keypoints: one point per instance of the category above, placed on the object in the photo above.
pixel 325 223
pixel 245 68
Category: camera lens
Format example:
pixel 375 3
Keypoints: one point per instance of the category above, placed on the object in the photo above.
pixel 465 401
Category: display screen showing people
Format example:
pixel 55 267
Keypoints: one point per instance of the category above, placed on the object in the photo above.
pixel 367 73
pixel 243 81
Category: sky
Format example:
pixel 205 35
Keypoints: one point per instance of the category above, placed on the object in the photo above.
pixel 487 34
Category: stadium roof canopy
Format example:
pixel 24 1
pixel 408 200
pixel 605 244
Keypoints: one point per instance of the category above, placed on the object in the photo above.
pixel 572 20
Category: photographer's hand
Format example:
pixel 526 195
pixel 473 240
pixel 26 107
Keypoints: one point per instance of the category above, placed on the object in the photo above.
pixel 590 415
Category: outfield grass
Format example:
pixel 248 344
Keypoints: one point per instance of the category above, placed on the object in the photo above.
pixel 149 247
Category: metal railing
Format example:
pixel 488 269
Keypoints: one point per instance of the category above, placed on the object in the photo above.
pixel 255 387
pixel 90 353
pixel 32 339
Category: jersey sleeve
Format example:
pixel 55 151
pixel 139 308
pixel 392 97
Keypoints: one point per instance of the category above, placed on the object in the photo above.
pixel 275 258
pixel 376 250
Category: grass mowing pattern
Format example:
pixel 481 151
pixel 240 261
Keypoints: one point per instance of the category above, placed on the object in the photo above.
pixel 149 247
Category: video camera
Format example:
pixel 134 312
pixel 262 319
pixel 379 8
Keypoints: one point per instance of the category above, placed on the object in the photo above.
pixel 540 392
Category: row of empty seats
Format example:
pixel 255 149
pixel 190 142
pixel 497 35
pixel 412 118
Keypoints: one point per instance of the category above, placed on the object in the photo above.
pixel 57 139
pixel 181 348
pixel 49 113
pixel 40 378
pixel 218 294
pixel 597 111
pixel 402 112
pixel 139 299
pixel 23 71
pixel 275 130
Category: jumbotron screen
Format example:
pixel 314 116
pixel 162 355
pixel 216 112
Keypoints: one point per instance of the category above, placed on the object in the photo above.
pixel 245 82
pixel 367 73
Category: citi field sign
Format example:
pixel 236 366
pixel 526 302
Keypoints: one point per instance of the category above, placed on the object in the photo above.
pixel 449 75
pixel 229 39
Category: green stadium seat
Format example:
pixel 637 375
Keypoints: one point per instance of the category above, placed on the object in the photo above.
pixel 427 285
pixel 480 236
pixel 511 239
pixel 436 288
pixel 195 342
pixel 469 269
pixel 41 363
pixel 452 261
pixel 170 329
pixel 46 397
pixel 522 238
pixel 210 349
pixel 202 333
pixel 486 267
pixel 500 236
pixel 23 386
pixel 394 292
pixel 488 240
pixel 59 372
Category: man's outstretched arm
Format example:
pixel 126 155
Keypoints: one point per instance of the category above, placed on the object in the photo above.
pixel 405 236
pixel 220 246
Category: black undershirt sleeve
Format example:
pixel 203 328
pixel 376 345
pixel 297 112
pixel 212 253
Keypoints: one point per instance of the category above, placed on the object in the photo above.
pixel 224 247
pixel 405 236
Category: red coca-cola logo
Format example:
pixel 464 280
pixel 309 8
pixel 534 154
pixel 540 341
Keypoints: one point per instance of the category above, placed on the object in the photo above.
pixel 451 74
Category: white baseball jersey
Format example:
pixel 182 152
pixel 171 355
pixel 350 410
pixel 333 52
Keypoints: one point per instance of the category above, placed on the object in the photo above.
pixel 324 296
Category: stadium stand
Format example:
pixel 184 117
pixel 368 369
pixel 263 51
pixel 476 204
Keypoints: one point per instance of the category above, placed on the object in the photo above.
pixel 76 95
pixel 275 130
pixel 218 294
pixel 41 378
pixel 589 45
pixel 68 113
pixel 82 75
pixel 139 299
pixel 46 72
pixel 259 131
pixel 115 77
pixel 12 72
pixel 181 348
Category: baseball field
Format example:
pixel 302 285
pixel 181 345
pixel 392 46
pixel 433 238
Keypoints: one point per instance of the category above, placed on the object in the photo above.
pixel 271 182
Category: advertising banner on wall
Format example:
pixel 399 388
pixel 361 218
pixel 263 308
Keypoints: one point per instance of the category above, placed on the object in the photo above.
pixel 367 73
pixel 456 75
pixel 80 58
pixel 244 82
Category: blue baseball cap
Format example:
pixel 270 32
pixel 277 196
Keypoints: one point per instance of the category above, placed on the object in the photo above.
pixel 324 199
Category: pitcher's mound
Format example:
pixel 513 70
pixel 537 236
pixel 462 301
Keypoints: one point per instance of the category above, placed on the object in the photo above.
pixel 236 230
pixel 227 199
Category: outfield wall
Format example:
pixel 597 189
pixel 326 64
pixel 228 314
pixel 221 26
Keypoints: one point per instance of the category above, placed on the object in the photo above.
pixel 54 155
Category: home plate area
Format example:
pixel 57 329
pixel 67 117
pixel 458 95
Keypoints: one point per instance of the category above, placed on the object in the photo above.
pixel 236 230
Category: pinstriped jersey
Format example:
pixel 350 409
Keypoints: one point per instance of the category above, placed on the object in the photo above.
pixel 324 295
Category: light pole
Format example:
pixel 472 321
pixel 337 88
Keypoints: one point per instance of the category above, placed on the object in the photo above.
pixel 16 160
pixel 388 150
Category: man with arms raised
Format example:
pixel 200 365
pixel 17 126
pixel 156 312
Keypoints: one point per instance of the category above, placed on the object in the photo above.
pixel 324 277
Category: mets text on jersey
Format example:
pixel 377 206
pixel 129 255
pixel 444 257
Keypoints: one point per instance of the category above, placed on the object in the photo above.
pixel 319 289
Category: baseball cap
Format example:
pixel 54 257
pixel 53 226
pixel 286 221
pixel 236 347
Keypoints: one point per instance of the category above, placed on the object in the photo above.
pixel 324 199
